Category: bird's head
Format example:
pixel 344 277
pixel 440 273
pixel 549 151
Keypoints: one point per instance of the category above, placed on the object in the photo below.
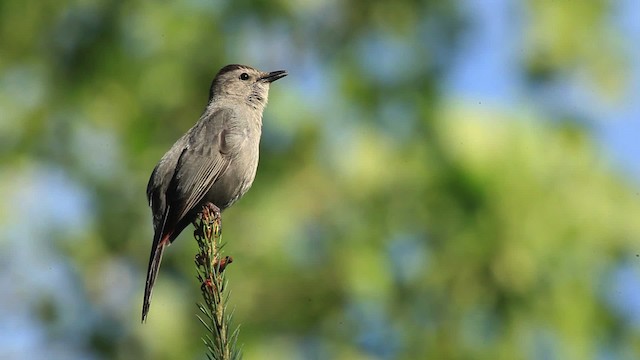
pixel 243 83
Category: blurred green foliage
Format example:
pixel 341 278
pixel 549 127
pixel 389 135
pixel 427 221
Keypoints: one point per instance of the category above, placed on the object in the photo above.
pixel 387 221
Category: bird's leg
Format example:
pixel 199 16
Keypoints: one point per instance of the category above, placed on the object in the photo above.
pixel 213 211
pixel 211 214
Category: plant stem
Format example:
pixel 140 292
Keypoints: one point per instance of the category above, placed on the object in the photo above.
pixel 210 267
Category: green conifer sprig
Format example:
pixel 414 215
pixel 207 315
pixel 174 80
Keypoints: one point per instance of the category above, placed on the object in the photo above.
pixel 210 264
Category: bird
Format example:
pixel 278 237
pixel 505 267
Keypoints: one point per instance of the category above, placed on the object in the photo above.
pixel 214 162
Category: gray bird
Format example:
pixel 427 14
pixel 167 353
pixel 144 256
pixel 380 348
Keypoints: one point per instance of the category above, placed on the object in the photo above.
pixel 214 162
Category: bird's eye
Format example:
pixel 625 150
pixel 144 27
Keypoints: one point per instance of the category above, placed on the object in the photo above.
pixel 244 76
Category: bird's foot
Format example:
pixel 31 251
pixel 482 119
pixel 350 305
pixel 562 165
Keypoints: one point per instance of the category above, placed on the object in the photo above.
pixel 210 212
pixel 211 222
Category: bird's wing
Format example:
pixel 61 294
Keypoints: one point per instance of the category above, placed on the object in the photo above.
pixel 202 161
pixel 150 186
pixel 160 180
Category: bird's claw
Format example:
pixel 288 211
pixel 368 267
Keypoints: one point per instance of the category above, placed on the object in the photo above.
pixel 210 212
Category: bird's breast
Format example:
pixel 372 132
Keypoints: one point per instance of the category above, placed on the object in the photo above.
pixel 238 177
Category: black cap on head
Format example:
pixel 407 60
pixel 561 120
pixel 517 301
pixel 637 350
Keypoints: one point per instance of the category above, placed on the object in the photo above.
pixel 232 67
pixel 223 71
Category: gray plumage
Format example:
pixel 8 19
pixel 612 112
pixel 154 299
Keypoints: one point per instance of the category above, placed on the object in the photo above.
pixel 215 161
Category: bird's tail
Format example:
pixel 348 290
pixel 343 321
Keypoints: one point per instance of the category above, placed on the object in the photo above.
pixel 152 273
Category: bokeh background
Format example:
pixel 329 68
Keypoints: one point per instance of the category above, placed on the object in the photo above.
pixel 438 179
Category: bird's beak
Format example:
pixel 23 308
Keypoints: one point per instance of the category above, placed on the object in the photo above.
pixel 273 76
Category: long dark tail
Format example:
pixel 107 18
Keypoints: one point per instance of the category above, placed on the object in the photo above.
pixel 152 273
